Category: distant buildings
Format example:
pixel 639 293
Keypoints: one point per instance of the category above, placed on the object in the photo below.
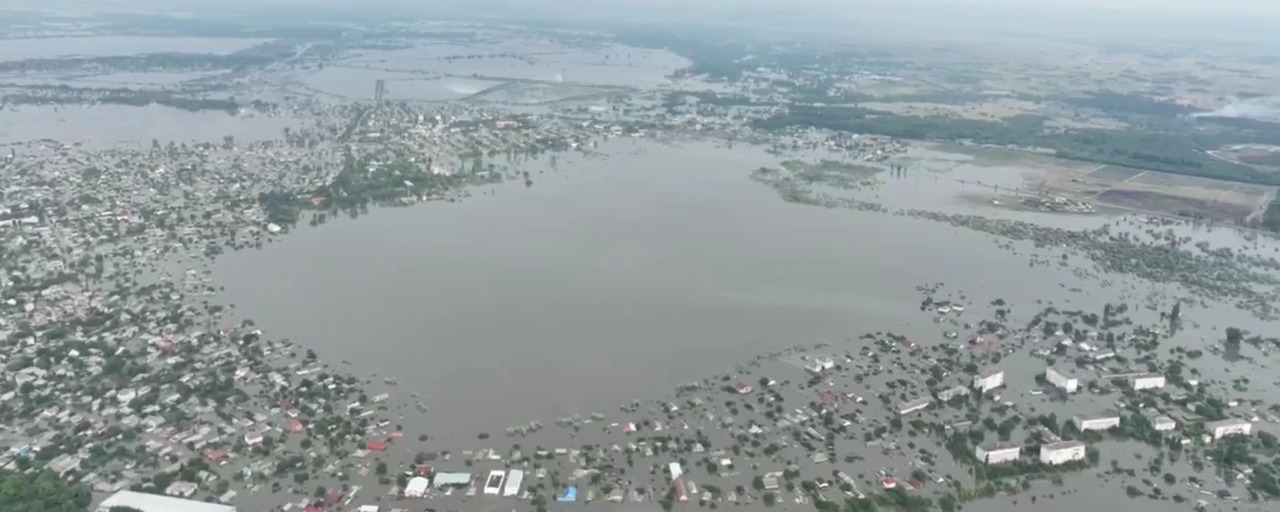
pixel 157 503
pixel 1062 452
pixel 1062 379
pixel 1087 422
pixel 998 453
pixel 1228 427
pixel 1147 381
pixel 988 380
pixel 918 404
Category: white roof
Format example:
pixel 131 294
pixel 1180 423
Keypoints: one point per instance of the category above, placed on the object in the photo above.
pixel 157 503
pixel 416 486
pixel 452 479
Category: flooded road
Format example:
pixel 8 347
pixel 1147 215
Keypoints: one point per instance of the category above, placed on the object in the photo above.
pixel 618 277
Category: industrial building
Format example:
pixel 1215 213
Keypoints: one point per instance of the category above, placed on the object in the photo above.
pixel 1062 452
pixel 1062 379
pixel 1087 422
pixel 988 380
pixel 515 478
pixel 451 479
pixel 1228 427
pixel 918 404
pixel 158 503
pixel 998 453
pixel 493 484
pixel 1147 381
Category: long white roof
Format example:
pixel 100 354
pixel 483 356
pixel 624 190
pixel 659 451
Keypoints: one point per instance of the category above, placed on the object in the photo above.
pixel 158 503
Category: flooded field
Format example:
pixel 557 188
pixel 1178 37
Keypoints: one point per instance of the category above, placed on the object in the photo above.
pixel 109 125
pixel 619 275
pixel 103 46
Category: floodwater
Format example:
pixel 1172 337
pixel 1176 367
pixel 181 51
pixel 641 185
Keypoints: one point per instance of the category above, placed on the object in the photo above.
pixel 355 83
pixel 618 277
pixel 141 80
pixel 110 125
pixel 104 46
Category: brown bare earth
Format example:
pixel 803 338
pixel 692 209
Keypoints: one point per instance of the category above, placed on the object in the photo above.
pixel 1137 189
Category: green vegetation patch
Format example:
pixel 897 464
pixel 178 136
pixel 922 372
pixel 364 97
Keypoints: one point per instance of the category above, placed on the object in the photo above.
pixel 40 492
pixel 842 175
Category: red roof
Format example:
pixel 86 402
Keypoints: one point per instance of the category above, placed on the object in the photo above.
pixel 377 446
pixel 424 469
pixel 333 497
pixel 214 455
pixel 827 397
pixel 295 425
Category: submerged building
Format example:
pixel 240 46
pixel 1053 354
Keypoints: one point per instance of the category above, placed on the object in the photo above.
pixel 1062 452
pixel 998 453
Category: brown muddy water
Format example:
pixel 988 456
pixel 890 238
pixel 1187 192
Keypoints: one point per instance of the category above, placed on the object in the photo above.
pixel 618 276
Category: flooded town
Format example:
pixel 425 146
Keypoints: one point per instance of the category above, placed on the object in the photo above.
pixel 371 263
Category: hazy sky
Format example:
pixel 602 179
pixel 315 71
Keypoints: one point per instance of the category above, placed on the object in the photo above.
pixel 1184 6
pixel 1187 19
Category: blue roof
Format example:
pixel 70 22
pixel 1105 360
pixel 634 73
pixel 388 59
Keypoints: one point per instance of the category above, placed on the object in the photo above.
pixel 570 494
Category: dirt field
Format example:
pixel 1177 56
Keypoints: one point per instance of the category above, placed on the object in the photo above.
pixel 1124 187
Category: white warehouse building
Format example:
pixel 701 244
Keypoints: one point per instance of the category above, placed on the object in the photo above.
pixel 1147 381
pixel 1087 422
pixel 988 380
pixel 158 503
pixel 1062 452
pixel 998 453
pixel 1229 427
pixel 1062 379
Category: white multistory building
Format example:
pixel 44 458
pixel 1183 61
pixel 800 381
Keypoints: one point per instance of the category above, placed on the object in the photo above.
pixel 1062 452
pixel 1062 379
pixel 1228 427
pixel 988 380
pixel 1147 381
pixel 998 453
pixel 1087 422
